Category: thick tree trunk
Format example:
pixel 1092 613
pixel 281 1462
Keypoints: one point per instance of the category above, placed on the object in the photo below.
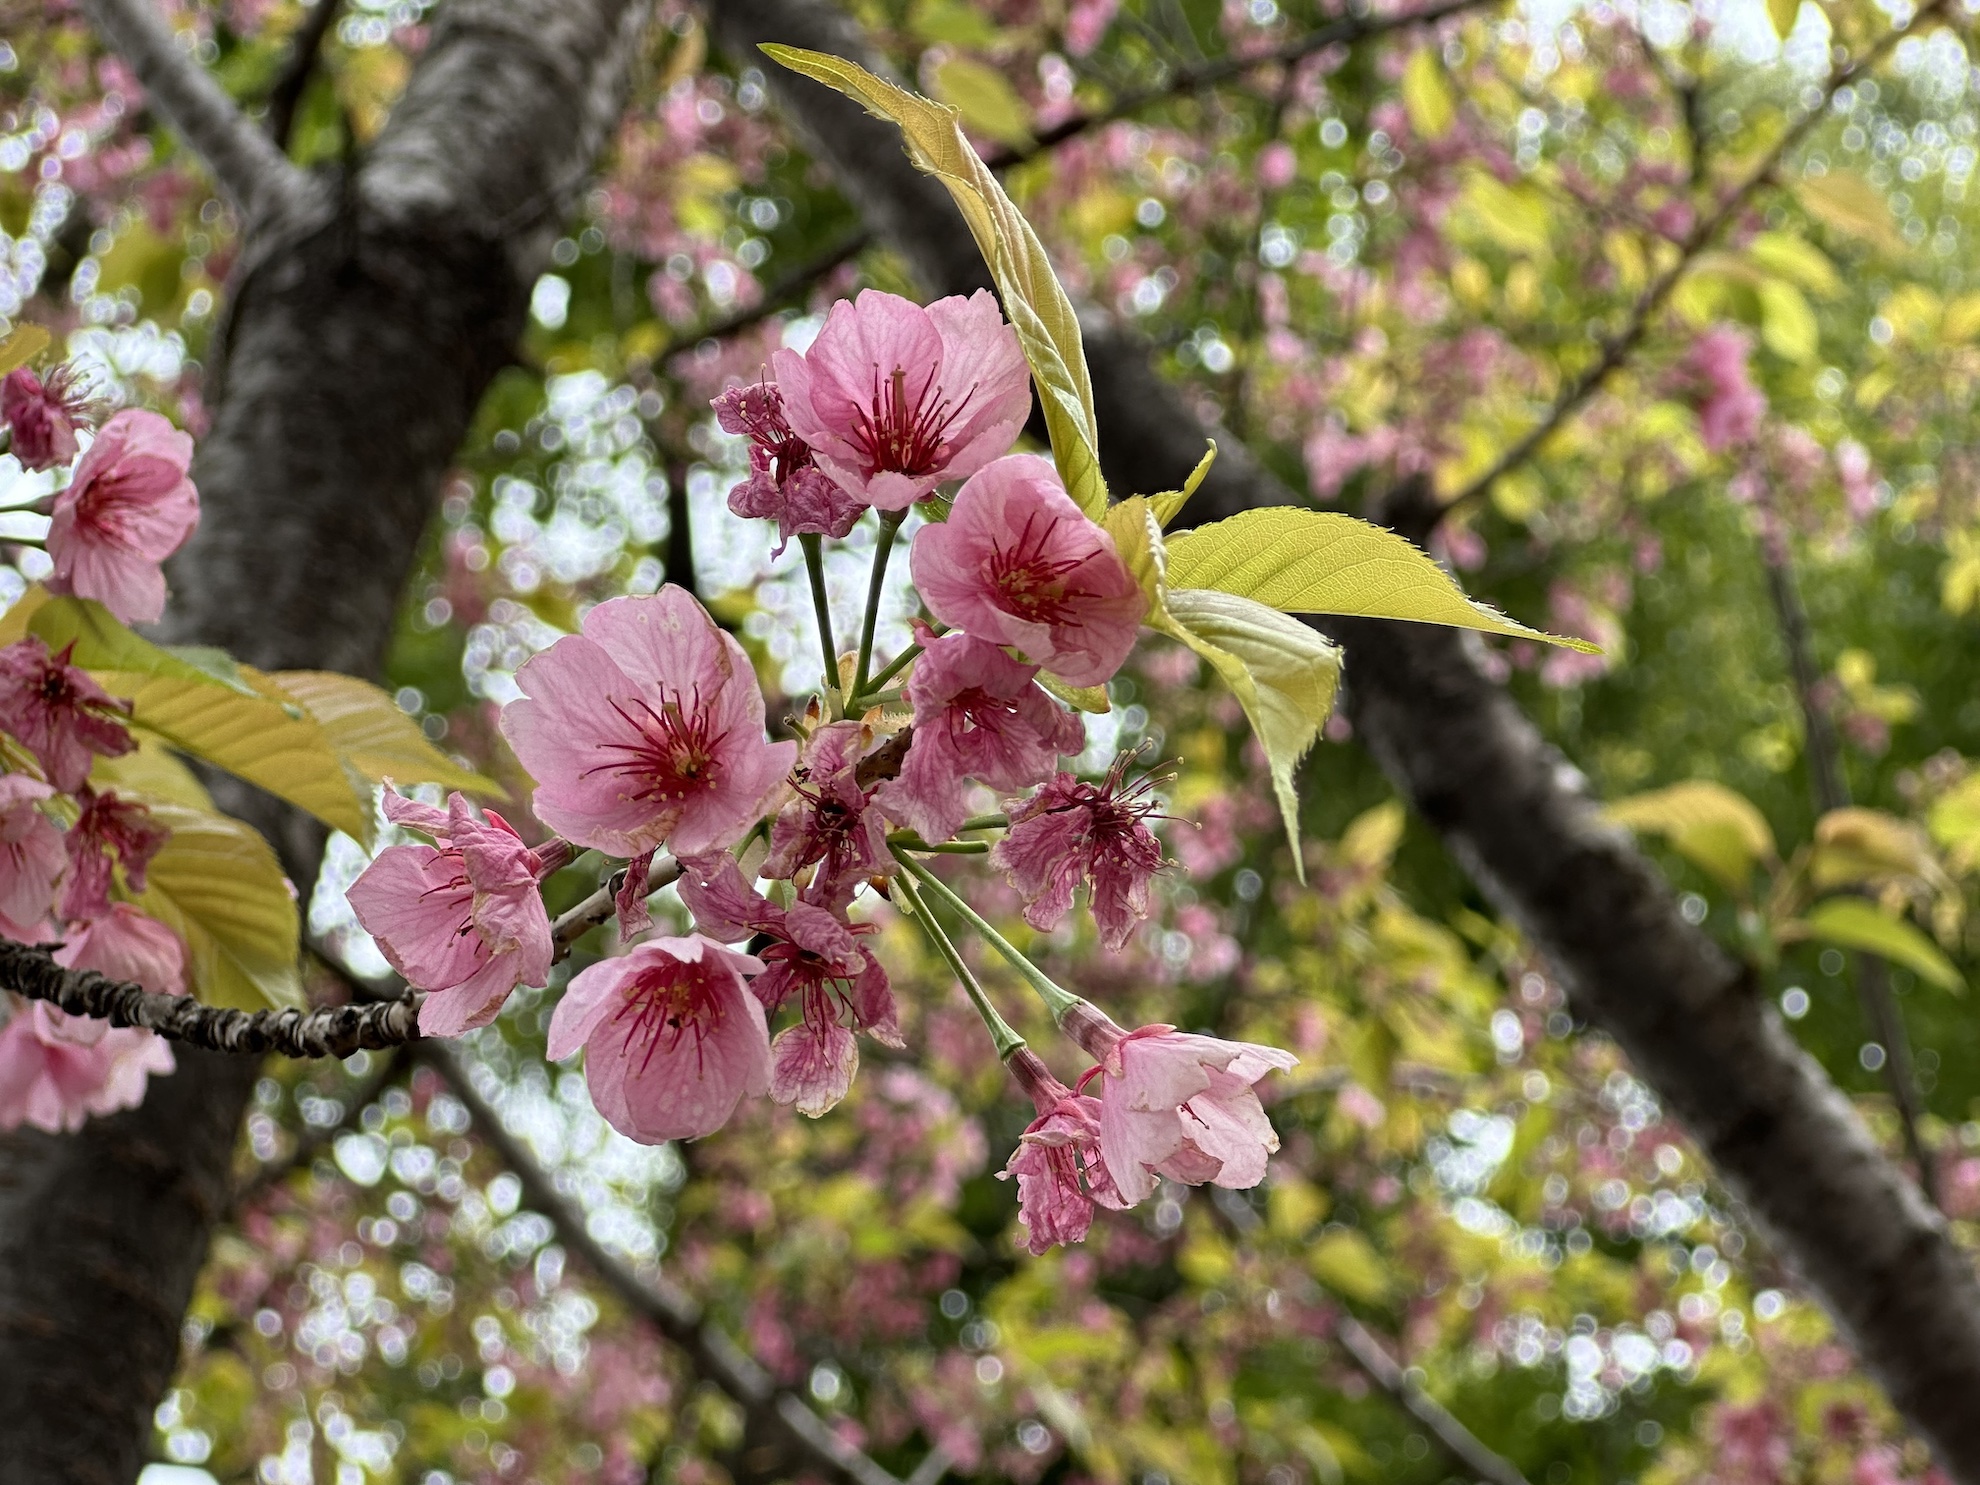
pixel 369 318
pixel 1522 822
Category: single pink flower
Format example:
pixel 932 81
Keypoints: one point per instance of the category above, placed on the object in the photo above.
pixel 461 919
pixel 785 484
pixel 978 714
pixel 1177 1105
pixel 1071 832
pixel 56 1070
pixel 1018 563
pixel 1058 1166
pixel 646 730
pixel 809 953
pixel 107 826
pixel 673 1040
pixel 42 417
pixel 831 821
pixel 128 506
pixel 1730 407
pixel 58 713
pixel 895 399
pixel 31 856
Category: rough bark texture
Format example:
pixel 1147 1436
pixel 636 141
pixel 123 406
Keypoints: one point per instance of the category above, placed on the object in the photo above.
pixel 369 316
pixel 1522 822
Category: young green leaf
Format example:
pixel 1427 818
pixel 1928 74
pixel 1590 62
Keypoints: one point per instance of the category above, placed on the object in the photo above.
pixel 1318 562
pixel 1712 827
pixel 373 736
pixel 1283 674
pixel 1853 923
pixel 217 884
pixel 1037 306
pixel 102 643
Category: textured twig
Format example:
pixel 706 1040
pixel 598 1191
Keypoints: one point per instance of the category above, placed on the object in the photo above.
pixel 1206 75
pixel 1617 348
pixel 333 1031
pixel 304 47
pixel 574 923
pixel 1452 1436
pixel 776 1419
pixel 246 163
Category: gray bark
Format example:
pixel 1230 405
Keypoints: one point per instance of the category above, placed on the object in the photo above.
pixel 369 316
pixel 1523 823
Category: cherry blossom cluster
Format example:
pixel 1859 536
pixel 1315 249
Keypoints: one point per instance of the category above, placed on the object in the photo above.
pixel 645 733
pixel 68 851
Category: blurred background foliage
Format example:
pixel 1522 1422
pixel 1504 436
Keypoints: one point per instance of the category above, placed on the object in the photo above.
pixel 1385 261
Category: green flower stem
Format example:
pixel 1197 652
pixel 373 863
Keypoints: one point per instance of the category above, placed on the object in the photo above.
pixel 1002 1035
pixel 907 840
pixel 879 698
pixel 894 668
pixel 890 525
pixel 1058 1001
pixel 814 566
pixel 986 822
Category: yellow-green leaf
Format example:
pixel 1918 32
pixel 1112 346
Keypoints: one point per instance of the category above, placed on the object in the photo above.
pixel 1515 218
pixel 985 99
pixel 1798 260
pixel 1320 562
pixel 101 643
pixel 22 344
pixel 1427 94
pixel 1347 1263
pixel 1782 14
pixel 153 769
pixel 217 884
pixel 1852 923
pixel 1168 505
pixel 1787 324
pixel 373 736
pixel 1038 309
pixel 1712 827
pixel 1092 699
pixel 1846 201
pixel 1283 674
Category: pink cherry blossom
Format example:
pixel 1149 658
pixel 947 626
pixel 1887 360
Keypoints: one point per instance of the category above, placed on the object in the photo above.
pixel 646 730
pixel 673 1040
pixel 31 856
pixel 1730 407
pixel 56 1070
pixel 1056 1150
pixel 1177 1105
pixel 107 826
pixel 1071 832
pixel 978 714
pixel 128 506
pixel 831 821
pixel 42 417
pixel 895 399
pixel 785 484
pixel 1018 563
pixel 461 919
pixel 809 953
pixel 58 713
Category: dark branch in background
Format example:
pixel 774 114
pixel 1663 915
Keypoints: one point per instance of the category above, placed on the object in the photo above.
pixel 333 1031
pixel 1459 1442
pixel 305 48
pixel 249 168
pixel 1830 786
pixel 783 293
pixel 1203 76
pixel 1616 349
pixel 1523 823
pixel 781 1434
pixel 317 1138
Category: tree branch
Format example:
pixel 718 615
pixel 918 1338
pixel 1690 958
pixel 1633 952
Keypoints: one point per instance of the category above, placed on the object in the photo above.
pixel 305 47
pixel 777 1421
pixel 332 1031
pixel 1617 348
pixel 1522 822
pixel 1459 1442
pixel 248 166
pixel 1203 76
pixel 786 290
